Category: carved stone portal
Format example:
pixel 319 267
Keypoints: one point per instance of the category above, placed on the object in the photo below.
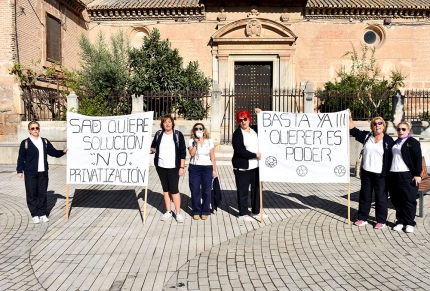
pixel 253 28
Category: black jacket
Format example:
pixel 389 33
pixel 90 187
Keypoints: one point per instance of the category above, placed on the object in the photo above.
pixel 180 149
pixel 216 196
pixel 241 156
pixel 360 136
pixel 28 159
pixel 412 155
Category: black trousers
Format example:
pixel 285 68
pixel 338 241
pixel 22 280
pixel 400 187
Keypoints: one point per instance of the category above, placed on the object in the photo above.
pixel 36 187
pixel 243 180
pixel 372 182
pixel 403 192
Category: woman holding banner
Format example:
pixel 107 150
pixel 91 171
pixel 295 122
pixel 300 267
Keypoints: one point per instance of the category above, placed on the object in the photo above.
pixel 404 177
pixel 245 165
pixel 170 151
pixel 376 162
pixel 33 161
pixel 202 168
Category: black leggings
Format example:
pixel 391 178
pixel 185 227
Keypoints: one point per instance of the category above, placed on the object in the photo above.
pixel 169 179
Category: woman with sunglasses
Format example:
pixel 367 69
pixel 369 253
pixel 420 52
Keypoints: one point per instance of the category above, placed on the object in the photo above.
pixel 202 168
pixel 33 162
pixel 404 177
pixel 245 165
pixel 170 151
pixel 376 161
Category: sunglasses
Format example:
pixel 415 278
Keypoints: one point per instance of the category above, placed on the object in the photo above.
pixel 401 129
pixel 377 123
pixel 34 128
pixel 243 119
pixel 198 128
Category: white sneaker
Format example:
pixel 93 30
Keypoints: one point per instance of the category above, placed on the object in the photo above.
pixel 409 228
pixel 258 215
pixel 44 218
pixel 246 218
pixel 179 218
pixel 398 227
pixel 166 216
pixel 36 219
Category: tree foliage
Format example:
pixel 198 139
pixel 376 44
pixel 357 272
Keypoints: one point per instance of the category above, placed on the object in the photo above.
pixel 114 69
pixel 366 90
pixel 104 65
pixel 365 74
pixel 155 66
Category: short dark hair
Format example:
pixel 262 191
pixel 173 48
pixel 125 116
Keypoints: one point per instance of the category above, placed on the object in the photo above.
pixel 164 118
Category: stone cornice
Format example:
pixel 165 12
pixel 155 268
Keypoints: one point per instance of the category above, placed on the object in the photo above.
pixel 75 5
pixel 176 14
pixel 367 13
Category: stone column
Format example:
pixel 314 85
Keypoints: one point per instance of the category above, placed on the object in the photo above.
pixel 216 114
pixel 136 104
pixel 72 102
pixel 224 80
pixel 308 98
pixel 284 72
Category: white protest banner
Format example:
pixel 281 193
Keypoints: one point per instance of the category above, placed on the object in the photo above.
pixel 109 150
pixel 304 147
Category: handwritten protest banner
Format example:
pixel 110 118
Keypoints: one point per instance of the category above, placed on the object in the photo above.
pixel 108 150
pixel 304 147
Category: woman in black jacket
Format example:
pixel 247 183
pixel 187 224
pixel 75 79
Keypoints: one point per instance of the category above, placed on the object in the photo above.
pixel 33 161
pixel 376 162
pixel 245 165
pixel 404 177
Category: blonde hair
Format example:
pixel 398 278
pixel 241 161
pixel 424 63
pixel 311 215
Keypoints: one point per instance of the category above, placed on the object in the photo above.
pixel 205 132
pixel 33 122
pixel 377 118
pixel 407 123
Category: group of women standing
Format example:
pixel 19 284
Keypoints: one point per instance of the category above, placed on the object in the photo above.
pixel 388 168
pixel 170 151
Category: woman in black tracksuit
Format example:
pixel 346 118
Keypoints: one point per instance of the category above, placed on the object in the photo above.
pixel 404 177
pixel 33 162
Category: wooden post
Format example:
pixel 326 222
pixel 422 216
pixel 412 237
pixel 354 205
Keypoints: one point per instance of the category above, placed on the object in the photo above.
pixel 261 201
pixel 144 205
pixel 349 203
pixel 67 201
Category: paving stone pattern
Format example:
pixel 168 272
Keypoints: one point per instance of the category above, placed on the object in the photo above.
pixel 304 244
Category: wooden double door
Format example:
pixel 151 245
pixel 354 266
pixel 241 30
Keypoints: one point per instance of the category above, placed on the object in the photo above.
pixel 253 85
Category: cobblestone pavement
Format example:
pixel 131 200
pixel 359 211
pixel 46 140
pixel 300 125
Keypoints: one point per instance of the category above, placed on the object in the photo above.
pixel 304 244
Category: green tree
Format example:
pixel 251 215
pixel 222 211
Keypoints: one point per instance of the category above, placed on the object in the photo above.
pixel 367 91
pixel 104 66
pixel 155 66
pixel 103 80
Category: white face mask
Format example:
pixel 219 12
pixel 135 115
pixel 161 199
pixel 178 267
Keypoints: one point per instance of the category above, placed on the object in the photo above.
pixel 199 134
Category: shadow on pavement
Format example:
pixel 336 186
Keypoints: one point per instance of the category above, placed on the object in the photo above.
pixel 116 199
pixel 325 204
pixel 52 199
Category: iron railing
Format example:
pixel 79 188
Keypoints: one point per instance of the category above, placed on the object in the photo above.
pixel 285 100
pixel 44 104
pixel 111 105
pixel 189 105
pixel 417 105
pixel 364 105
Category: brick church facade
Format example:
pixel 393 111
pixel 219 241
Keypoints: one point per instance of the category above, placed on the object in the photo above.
pixel 294 41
